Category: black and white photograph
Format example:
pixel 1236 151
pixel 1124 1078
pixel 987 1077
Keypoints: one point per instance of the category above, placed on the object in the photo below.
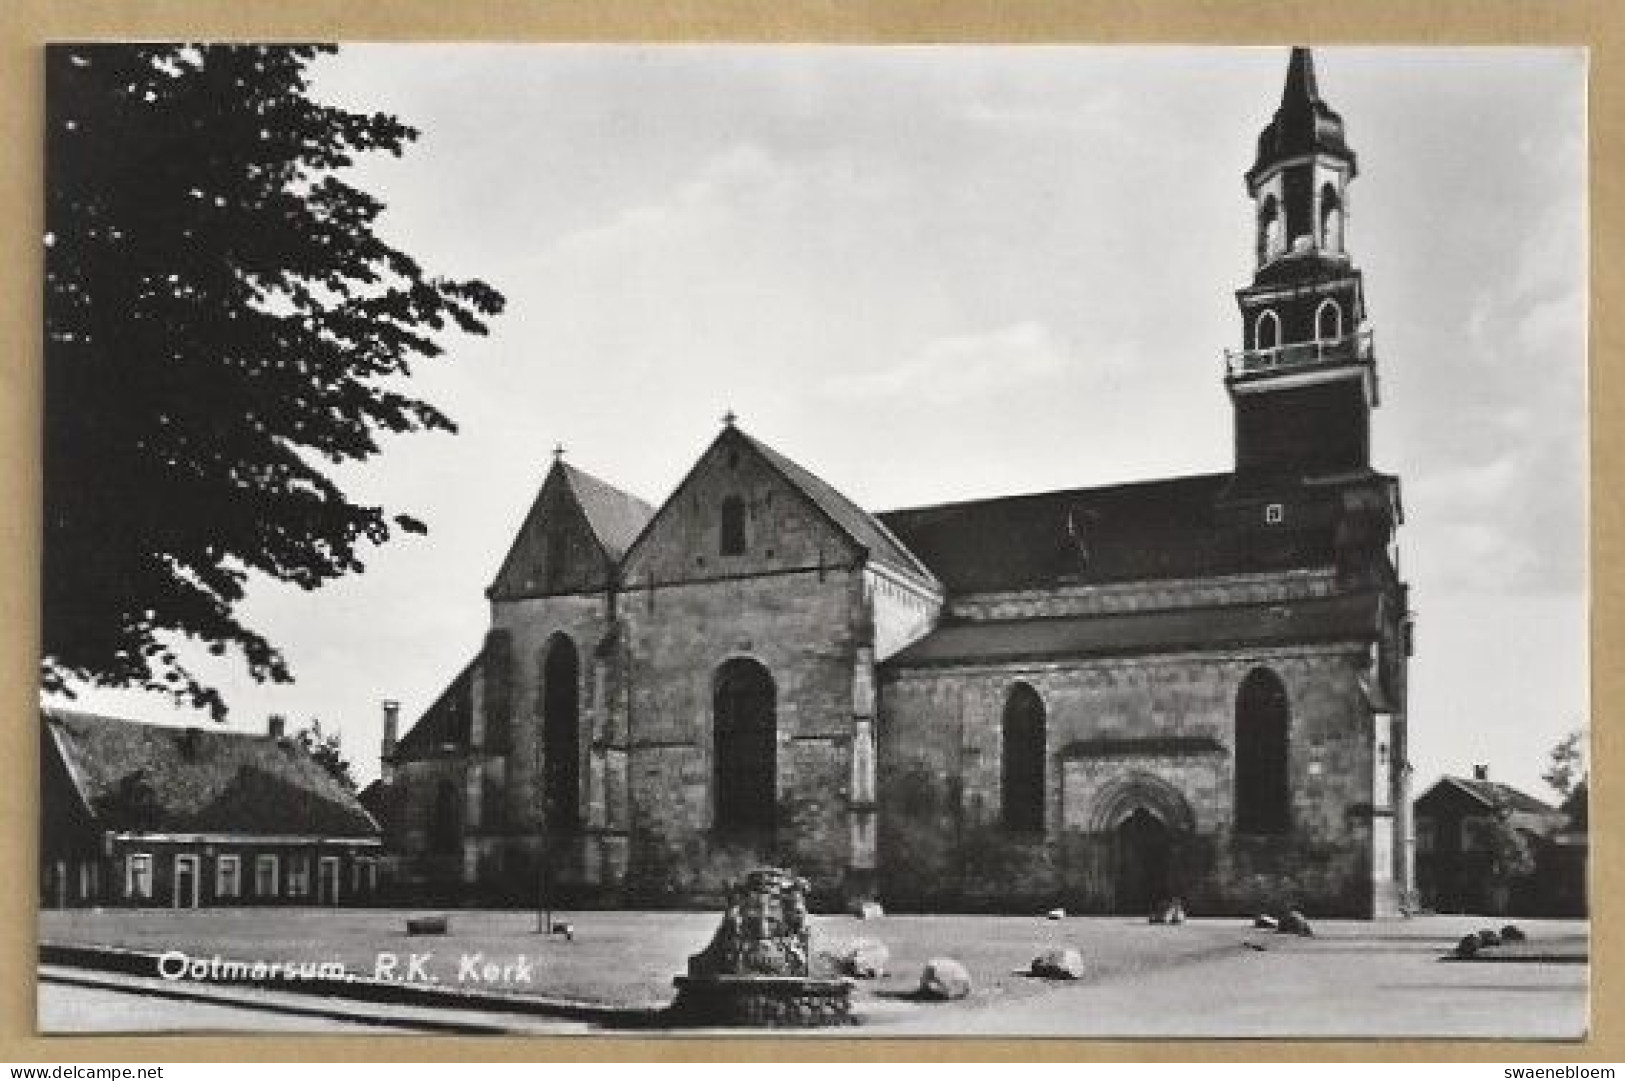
pixel 860 541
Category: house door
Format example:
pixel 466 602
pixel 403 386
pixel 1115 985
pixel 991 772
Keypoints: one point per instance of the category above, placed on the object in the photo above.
pixel 327 880
pixel 186 882
pixel 1143 856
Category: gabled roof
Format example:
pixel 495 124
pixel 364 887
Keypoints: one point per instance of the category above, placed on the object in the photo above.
pixel 1495 795
pixel 612 518
pixel 145 778
pixel 447 722
pixel 1333 619
pixel 863 528
pixel 1156 529
pixel 616 517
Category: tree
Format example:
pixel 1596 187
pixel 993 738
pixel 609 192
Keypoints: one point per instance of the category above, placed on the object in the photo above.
pixel 223 324
pixel 328 751
pixel 1568 768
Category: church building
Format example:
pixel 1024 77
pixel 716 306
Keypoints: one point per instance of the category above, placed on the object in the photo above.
pixel 1098 698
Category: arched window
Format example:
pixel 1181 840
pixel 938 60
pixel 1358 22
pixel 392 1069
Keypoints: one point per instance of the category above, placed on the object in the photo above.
pixel 745 730
pixel 733 526
pixel 1329 321
pixel 1021 773
pixel 1267 330
pixel 561 734
pixel 1269 229
pixel 446 825
pixel 1263 741
pixel 1331 219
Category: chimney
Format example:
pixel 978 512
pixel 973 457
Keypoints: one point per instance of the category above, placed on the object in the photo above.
pixel 1481 773
pixel 277 726
pixel 392 725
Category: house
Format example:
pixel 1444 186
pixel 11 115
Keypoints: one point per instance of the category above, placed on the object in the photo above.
pixel 146 815
pixel 1458 821
pixel 1095 697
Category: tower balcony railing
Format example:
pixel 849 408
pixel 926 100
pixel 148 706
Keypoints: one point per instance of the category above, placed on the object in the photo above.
pixel 1350 349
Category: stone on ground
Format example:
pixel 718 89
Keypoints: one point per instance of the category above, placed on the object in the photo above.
pixel 1489 937
pixel 1266 923
pixel 1055 914
pixel 867 910
pixel 1294 923
pixel 944 979
pixel 864 959
pixel 1059 963
pixel 1468 946
pixel 1512 933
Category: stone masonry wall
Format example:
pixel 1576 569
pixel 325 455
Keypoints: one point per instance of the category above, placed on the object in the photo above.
pixel 800 628
pixel 1171 717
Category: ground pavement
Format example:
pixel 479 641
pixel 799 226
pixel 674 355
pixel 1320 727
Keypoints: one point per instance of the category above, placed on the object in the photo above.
pixel 1207 977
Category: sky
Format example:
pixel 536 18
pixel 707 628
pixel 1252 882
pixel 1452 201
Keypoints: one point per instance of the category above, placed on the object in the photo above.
pixel 940 273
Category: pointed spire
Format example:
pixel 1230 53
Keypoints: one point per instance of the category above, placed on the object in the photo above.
pixel 1300 79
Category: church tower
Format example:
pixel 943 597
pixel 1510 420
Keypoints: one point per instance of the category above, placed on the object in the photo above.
pixel 1304 382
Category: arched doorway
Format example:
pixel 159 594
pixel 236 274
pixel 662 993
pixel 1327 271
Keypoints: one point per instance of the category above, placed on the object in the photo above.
pixel 561 734
pixel 1144 860
pixel 745 731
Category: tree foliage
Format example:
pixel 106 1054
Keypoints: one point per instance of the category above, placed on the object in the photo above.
pixel 1568 764
pixel 223 324
pixel 327 749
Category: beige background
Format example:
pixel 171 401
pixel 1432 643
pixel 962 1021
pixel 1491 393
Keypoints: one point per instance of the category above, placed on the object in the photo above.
pixel 26 24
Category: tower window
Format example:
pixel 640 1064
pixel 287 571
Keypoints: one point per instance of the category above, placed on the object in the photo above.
pixel 733 526
pixel 1021 774
pixel 1329 321
pixel 1263 744
pixel 1269 229
pixel 1267 331
pixel 1331 219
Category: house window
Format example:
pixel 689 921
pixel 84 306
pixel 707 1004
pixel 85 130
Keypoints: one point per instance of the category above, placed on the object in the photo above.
pixel 1477 834
pixel 265 876
pixel 1427 835
pixel 298 876
pixel 1273 514
pixel 733 526
pixel 1021 773
pixel 1263 743
pixel 138 877
pixel 228 876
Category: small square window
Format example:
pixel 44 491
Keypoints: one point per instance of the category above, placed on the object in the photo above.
pixel 1274 513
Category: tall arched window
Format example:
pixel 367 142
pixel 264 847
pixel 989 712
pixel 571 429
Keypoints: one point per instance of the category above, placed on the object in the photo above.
pixel 1329 321
pixel 1267 331
pixel 446 825
pixel 1331 219
pixel 745 731
pixel 561 734
pixel 1263 744
pixel 733 526
pixel 1021 773
pixel 1269 229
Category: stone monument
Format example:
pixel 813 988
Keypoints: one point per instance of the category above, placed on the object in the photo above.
pixel 756 970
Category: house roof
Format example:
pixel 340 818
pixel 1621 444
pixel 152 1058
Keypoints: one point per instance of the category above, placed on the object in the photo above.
pixel 1330 619
pixel 616 517
pixel 446 722
pixel 146 778
pixel 1494 795
pixel 868 531
pixel 1155 529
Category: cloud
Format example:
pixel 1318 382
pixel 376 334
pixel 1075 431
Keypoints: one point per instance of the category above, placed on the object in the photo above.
pixel 958 368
